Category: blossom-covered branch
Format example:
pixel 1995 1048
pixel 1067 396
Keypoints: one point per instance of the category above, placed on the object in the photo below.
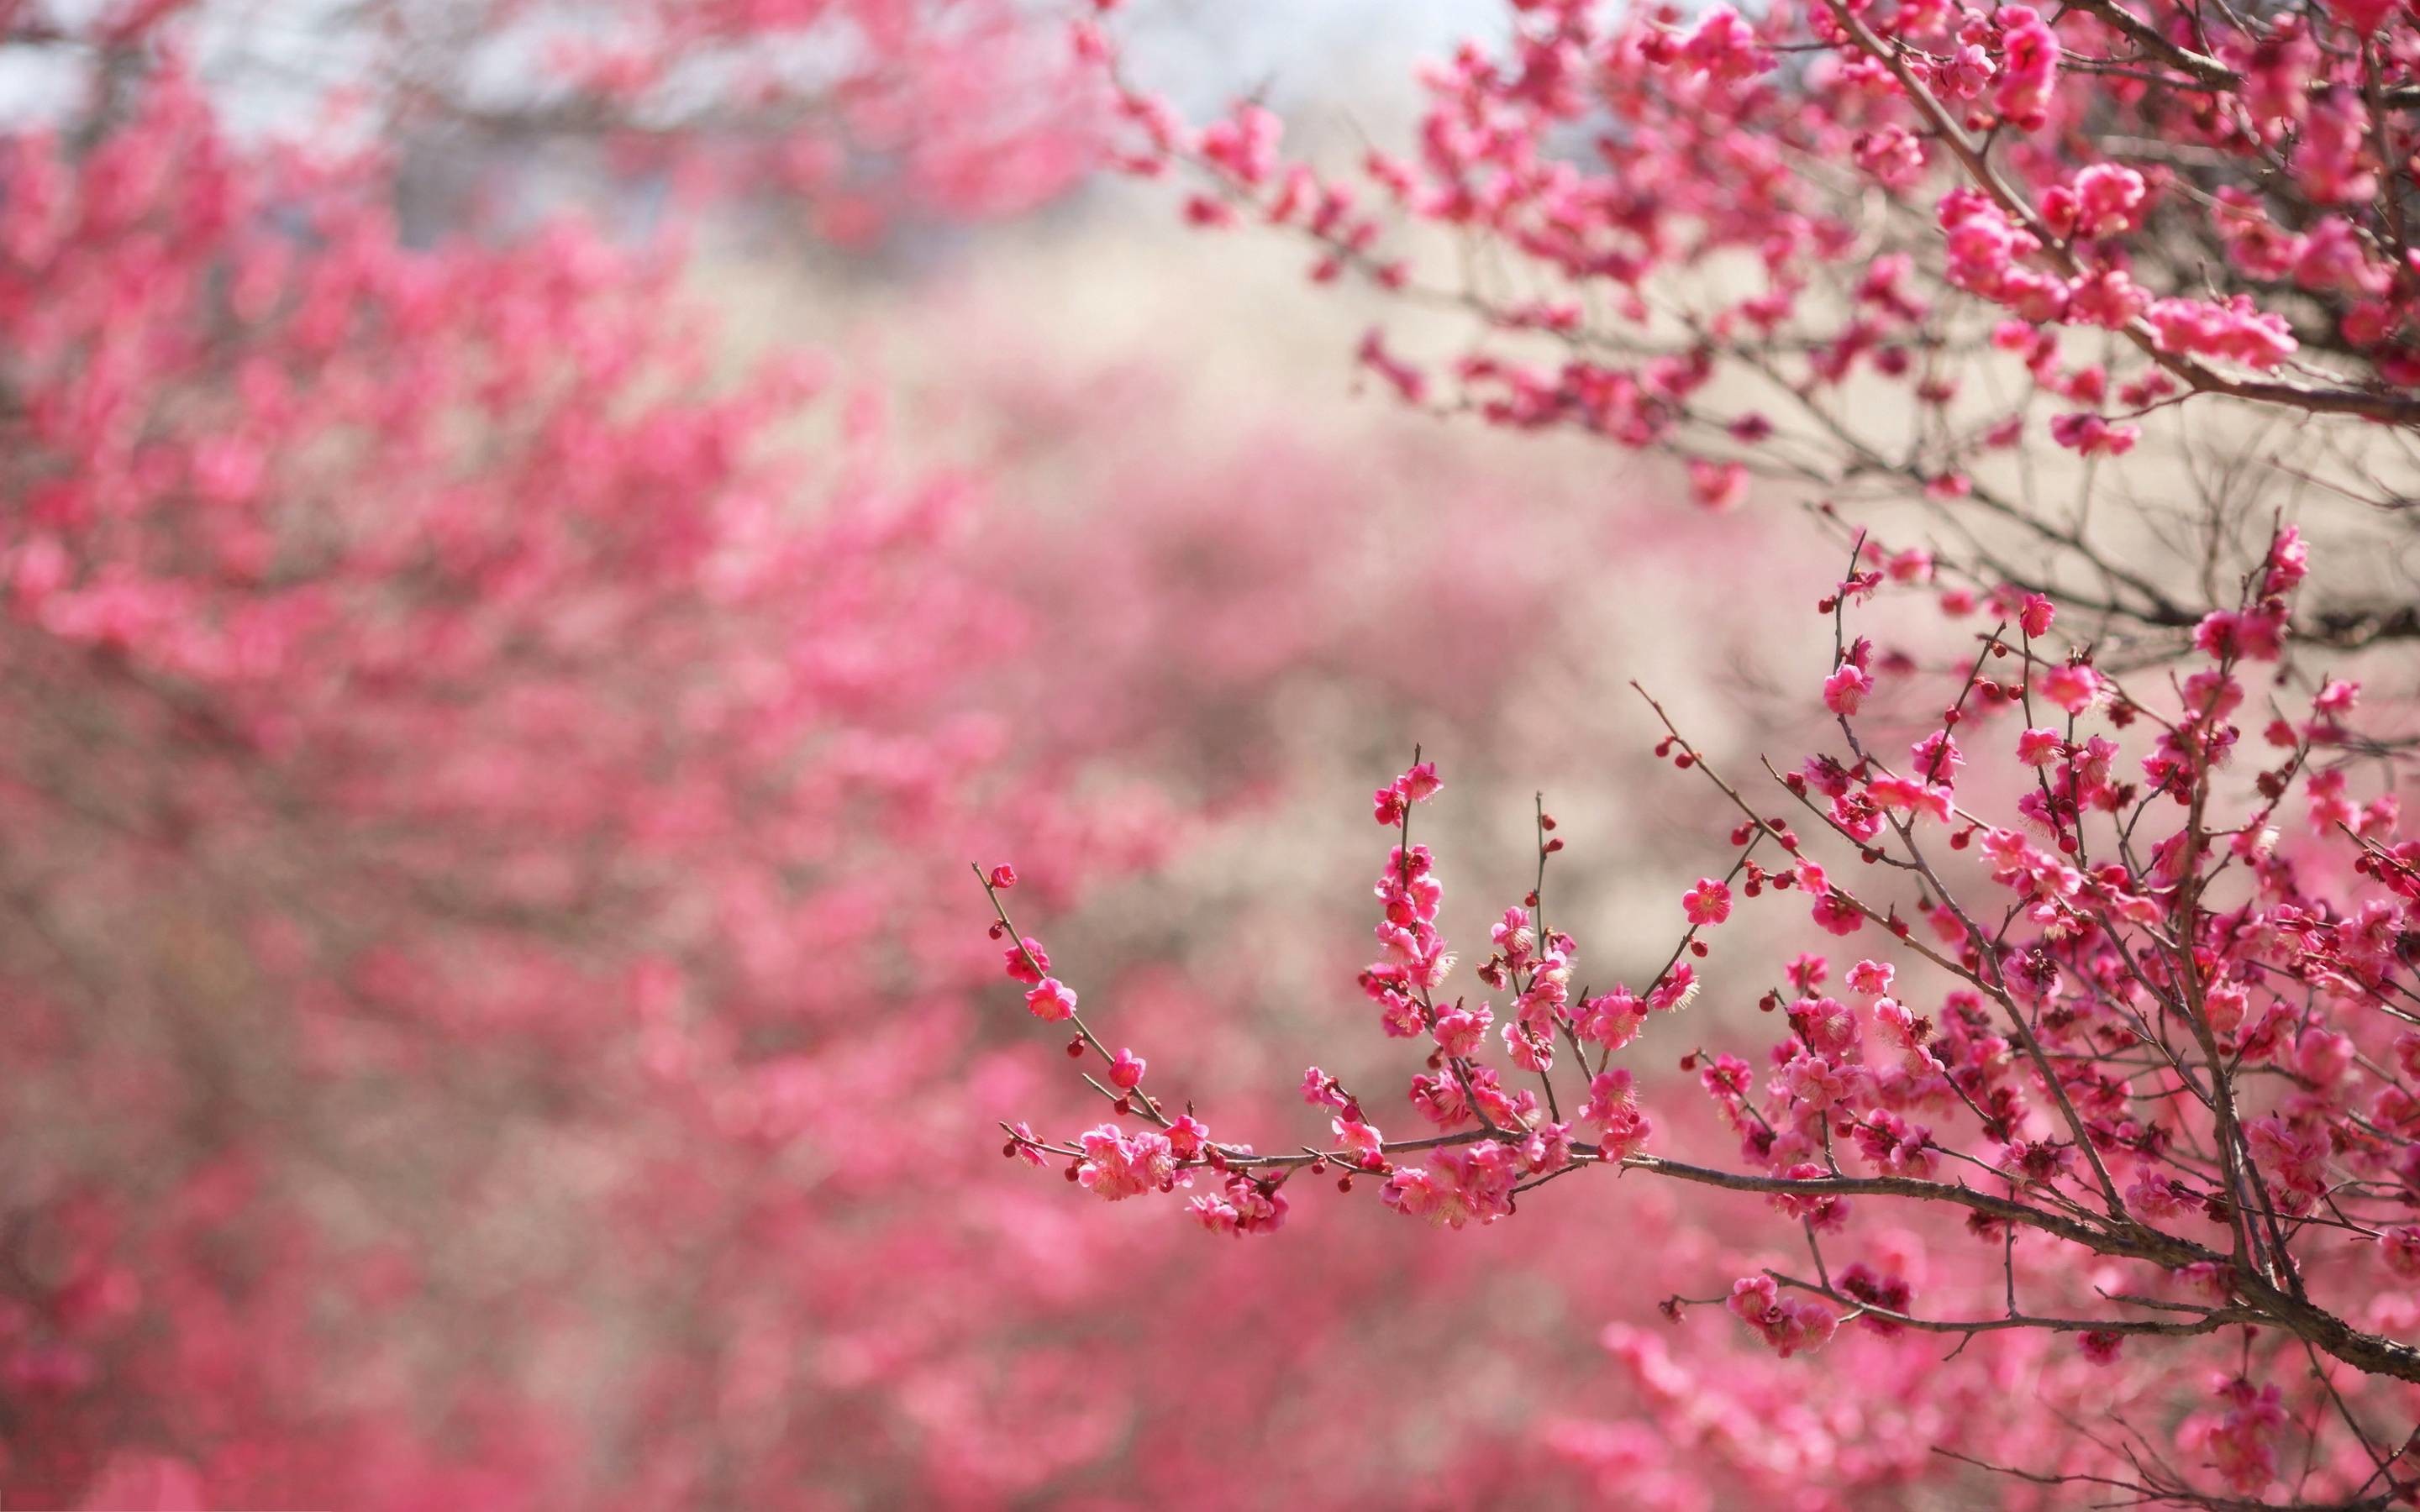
pixel 2126 1025
pixel 1950 261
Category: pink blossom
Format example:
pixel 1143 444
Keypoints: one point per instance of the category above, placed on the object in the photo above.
pixel 1467 1183
pixel 1893 155
pixel 1913 565
pixel 1320 1089
pixel 1612 1019
pixel 1356 1137
pixel 2251 635
pixel 1966 73
pixel 1717 488
pixel 1835 914
pixel 2108 298
pixel 2108 199
pixel 2401 1247
pixel 2289 561
pixel 1188 1135
pixel 1532 1049
pixel 1459 1031
pixel 2238 1437
pixel 1707 902
pixel 1846 688
pixel 1417 783
pixel 2034 617
pixel 2092 436
pixel 1027 961
pixel 2234 330
pixel 1788 1325
pixel 1242 1206
pixel 2028 70
pixel 1906 796
pixel 1612 1109
pixel 2074 687
pixel 1675 989
pixel 1051 1001
pixel 1724 46
pixel 1117 1166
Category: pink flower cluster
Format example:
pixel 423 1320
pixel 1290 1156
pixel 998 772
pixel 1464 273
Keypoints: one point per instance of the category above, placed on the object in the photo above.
pixel 1790 1325
pixel 2044 1101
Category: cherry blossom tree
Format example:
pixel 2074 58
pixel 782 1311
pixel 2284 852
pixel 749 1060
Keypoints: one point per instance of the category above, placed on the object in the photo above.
pixel 2156 1048
pixel 1936 267
pixel 2106 1106
pixel 436 711
pixel 483 780
pixel 487 784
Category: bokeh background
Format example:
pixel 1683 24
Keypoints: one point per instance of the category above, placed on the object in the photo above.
pixel 496 1010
